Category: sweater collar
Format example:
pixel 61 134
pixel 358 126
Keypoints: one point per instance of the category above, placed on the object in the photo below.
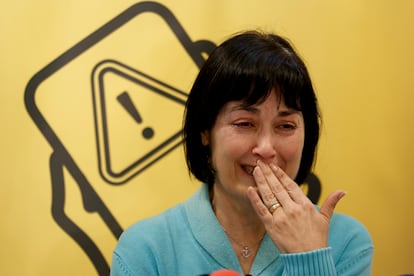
pixel 211 236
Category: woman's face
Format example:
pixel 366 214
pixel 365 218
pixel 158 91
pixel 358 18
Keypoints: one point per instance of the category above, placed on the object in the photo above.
pixel 242 134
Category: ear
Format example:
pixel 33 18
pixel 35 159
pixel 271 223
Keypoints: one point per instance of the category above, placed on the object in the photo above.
pixel 205 140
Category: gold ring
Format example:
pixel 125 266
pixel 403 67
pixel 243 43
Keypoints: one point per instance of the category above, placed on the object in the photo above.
pixel 273 207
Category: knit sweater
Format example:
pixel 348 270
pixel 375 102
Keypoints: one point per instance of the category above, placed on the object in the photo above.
pixel 188 240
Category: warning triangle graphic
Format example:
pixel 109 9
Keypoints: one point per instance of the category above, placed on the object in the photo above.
pixel 138 119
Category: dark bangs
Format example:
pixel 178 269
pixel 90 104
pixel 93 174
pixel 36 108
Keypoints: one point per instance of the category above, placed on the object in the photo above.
pixel 248 71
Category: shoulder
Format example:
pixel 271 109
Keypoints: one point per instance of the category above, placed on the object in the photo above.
pixel 342 225
pixel 153 227
pixel 351 244
pixel 157 230
pixel 141 245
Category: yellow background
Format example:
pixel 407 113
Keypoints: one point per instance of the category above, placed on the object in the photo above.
pixel 360 55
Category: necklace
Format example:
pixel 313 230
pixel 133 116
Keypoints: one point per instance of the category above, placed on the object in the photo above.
pixel 246 250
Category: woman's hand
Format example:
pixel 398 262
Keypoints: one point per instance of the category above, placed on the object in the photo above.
pixel 293 223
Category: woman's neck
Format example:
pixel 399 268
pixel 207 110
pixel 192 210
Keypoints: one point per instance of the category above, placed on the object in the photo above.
pixel 235 212
pixel 241 224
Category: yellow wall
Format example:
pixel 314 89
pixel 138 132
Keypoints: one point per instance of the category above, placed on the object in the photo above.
pixel 359 53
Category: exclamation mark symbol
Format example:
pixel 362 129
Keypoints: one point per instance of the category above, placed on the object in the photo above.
pixel 125 100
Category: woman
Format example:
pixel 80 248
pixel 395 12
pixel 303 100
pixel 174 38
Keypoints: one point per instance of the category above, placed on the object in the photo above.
pixel 251 129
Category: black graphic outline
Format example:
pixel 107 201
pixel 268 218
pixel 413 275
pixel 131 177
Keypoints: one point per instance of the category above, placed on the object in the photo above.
pixel 105 156
pixel 61 158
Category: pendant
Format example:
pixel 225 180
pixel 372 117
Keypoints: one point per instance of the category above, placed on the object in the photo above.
pixel 245 252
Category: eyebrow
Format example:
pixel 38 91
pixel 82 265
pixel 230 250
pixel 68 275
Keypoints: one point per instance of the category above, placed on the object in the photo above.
pixel 249 108
pixel 288 112
pixel 253 109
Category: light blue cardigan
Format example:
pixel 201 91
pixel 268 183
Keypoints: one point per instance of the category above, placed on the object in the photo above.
pixel 188 240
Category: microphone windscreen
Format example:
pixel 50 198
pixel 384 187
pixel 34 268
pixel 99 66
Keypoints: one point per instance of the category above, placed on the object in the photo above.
pixel 225 272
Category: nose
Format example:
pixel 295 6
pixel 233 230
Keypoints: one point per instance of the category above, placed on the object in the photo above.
pixel 264 147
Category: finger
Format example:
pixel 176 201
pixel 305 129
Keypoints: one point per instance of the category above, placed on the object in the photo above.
pixel 270 183
pixel 266 194
pixel 329 205
pixel 258 204
pixel 292 188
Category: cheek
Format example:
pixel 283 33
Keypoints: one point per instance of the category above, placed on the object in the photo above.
pixel 295 148
pixel 225 146
pixel 292 155
pixel 290 151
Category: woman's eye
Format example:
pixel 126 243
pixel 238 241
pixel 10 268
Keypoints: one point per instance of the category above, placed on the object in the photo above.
pixel 243 124
pixel 287 126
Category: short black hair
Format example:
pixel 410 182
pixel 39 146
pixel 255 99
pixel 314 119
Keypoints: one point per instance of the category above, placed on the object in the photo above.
pixel 246 67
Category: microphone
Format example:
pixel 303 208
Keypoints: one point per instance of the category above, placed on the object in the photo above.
pixel 225 272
